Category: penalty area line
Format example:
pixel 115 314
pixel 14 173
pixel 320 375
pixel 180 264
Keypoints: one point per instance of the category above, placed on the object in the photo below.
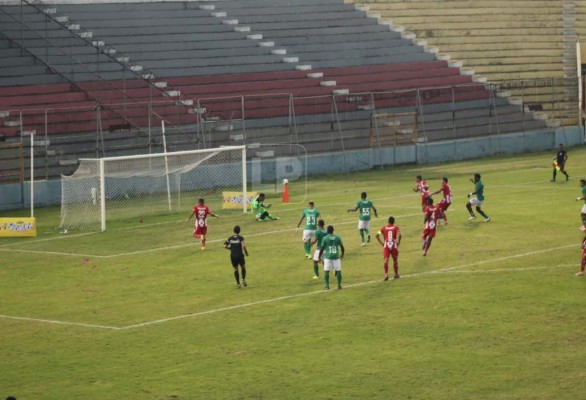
pixel 445 271
pixel 354 285
pixel 55 322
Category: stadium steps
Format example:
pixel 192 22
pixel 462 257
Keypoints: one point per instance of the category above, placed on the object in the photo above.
pixel 535 38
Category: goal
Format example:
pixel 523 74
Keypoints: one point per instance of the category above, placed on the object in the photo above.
pixel 122 188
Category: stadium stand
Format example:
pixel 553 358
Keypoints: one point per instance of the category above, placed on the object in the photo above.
pixel 530 42
pixel 105 75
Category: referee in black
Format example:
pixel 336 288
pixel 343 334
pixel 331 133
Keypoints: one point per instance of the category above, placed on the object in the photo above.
pixel 560 159
pixel 235 244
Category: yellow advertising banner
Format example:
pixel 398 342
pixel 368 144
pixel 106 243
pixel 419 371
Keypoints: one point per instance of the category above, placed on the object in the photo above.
pixel 233 200
pixel 18 227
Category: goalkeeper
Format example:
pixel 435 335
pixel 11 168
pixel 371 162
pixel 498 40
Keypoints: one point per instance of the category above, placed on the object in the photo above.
pixel 259 209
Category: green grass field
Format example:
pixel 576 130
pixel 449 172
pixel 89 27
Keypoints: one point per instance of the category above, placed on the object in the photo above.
pixel 139 312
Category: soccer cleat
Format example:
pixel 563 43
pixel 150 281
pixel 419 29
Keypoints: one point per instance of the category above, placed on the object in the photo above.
pixel 472 218
pixel 552 180
pixel 326 288
pixel 315 277
pixel 424 253
pixel 244 283
pixel 386 277
pixel 396 276
pixel 424 244
pixel 581 273
pixel 339 287
pixel 238 286
pixel 203 248
pixel 363 244
pixel 368 238
pixel 308 256
pixel 487 219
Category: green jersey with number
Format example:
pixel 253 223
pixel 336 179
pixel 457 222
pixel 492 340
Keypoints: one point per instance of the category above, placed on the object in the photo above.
pixel 310 215
pixel 364 207
pixel 319 235
pixel 479 189
pixel 331 246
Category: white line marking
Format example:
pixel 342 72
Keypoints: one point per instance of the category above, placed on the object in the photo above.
pixel 51 321
pixel 56 253
pixel 276 299
pixel 419 274
pixel 456 269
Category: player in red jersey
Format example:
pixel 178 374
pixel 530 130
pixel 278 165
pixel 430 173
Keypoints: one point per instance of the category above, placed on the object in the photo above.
pixel 446 202
pixel 422 187
pixel 425 195
pixel 392 236
pixel 582 271
pixel 201 212
pixel 432 213
pixel 419 183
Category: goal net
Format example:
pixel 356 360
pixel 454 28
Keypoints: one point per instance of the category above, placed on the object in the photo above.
pixel 119 188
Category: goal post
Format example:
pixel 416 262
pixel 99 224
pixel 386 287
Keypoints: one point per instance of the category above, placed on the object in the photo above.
pixel 121 188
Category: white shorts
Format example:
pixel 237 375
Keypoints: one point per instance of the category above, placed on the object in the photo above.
pixel 307 235
pixel 335 264
pixel 363 224
pixel 316 255
pixel 475 202
pixel 584 209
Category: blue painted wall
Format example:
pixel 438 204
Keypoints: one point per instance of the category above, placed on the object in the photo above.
pixel 17 196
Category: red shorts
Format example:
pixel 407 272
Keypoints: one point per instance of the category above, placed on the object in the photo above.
pixel 430 233
pixel 444 206
pixel 390 253
pixel 200 231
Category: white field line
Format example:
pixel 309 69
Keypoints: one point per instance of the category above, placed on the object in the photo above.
pixel 51 321
pixel 451 270
pixel 50 253
pixel 349 204
pixel 418 274
pixel 179 246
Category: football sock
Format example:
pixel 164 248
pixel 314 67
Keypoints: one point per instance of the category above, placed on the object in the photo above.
pixel 316 269
pixel 396 267
pixel 243 268
pixel 362 235
pixel 554 174
pixel 583 219
pixel 339 278
pixel 327 278
pixel 237 277
pixel 203 241
pixel 481 212
pixel 386 267
pixel 307 247
pixel 428 244
pixel 367 231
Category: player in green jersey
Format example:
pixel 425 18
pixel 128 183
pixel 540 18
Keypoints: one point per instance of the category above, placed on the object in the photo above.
pixel 259 209
pixel 583 197
pixel 310 214
pixel 332 250
pixel 318 235
pixel 364 217
pixel 478 200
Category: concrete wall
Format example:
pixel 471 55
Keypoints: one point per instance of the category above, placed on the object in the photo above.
pixel 17 196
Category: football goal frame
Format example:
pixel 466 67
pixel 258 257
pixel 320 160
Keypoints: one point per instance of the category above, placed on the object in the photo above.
pixel 86 194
